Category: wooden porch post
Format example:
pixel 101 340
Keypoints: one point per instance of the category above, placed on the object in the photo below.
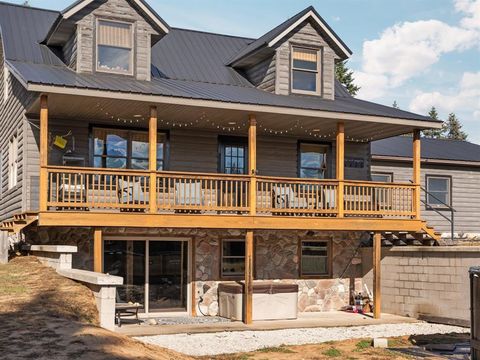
pixel 97 250
pixel 377 257
pixel 152 157
pixel 416 172
pixel 340 167
pixel 252 171
pixel 248 300
pixel 43 152
pixel 252 162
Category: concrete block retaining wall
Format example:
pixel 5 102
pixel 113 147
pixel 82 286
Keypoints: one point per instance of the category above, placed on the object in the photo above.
pixel 430 283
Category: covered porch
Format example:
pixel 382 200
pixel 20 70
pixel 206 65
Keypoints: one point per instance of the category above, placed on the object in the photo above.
pixel 101 197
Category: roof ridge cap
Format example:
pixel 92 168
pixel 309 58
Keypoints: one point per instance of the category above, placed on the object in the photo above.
pixel 211 33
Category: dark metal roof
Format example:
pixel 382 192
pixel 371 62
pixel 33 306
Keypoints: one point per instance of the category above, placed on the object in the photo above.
pixel 185 63
pixel 438 149
pixel 272 34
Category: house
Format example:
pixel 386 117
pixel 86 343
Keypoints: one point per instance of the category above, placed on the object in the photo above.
pixel 180 159
pixel 449 180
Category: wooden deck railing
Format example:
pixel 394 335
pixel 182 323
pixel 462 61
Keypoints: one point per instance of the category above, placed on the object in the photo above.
pixel 90 189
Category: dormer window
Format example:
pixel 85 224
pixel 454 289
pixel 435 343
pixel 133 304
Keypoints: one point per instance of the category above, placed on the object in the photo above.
pixel 115 47
pixel 305 71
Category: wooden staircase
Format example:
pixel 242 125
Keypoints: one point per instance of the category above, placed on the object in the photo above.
pixel 18 222
pixel 426 236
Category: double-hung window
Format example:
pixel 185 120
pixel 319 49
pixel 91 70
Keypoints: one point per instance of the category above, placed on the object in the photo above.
pixel 315 258
pixel 233 258
pixel 382 177
pixel 115 47
pixel 438 191
pixel 313 161
pixel 125 149
pixel 12 162
pixel 305 71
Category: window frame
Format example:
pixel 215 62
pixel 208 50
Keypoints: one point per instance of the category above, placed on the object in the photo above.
pixel 433 207
pixel 130 132
pixel 329 257
pixel 12 162
pixel 328 147
pixel 390 174
pixel 317 72
pixel 234 276
pixel 132 49
pixel 223 142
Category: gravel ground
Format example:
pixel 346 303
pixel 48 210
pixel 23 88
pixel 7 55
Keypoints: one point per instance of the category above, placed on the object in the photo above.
pixel 246 341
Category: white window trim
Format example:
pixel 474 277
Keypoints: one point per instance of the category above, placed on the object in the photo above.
pixel 379 173
pixel 132 50
pixel 13 162
pixel 317 72
pixel 449 191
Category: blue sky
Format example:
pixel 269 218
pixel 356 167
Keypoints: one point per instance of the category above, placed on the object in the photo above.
pixel 417 52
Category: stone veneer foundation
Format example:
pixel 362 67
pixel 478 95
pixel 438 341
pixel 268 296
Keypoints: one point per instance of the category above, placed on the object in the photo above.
pixel 276 258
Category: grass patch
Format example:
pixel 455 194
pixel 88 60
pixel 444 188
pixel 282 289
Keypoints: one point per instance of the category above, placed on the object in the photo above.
pixel 363 345
pixel 12 290
pixel 276 349
pixel 332 352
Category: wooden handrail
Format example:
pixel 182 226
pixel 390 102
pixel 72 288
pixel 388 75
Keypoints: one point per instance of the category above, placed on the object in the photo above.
pixel 100 188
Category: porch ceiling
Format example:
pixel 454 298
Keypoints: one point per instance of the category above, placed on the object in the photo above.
pixel 136 113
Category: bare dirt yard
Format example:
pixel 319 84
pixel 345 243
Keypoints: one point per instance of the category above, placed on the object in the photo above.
pixel 45 316
pixel 360 349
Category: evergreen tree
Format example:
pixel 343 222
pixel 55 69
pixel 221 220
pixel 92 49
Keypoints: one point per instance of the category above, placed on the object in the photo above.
pixel 345 76
pixel 454 128
pixel 395 105
pixel 435 133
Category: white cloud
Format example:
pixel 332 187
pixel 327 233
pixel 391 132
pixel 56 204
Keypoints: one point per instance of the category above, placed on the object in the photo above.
pixel 466 98
pixel 472 9
pixel 408 49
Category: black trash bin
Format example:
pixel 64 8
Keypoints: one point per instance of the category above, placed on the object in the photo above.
pixel 475 312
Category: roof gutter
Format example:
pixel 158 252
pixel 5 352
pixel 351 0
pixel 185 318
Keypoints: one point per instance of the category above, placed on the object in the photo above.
pixel 253 108
pixel 426 161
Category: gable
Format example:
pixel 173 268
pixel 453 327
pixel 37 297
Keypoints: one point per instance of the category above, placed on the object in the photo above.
pixel 65 24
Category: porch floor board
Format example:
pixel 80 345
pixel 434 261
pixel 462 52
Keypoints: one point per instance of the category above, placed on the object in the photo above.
pixel 305 320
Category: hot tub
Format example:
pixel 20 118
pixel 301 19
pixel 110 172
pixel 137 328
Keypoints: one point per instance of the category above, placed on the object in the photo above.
pixel 271 301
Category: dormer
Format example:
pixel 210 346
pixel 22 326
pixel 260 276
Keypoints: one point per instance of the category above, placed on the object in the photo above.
pixel 295 58
pixel 108 36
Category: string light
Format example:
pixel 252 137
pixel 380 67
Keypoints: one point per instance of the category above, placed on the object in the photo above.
pixel 233 126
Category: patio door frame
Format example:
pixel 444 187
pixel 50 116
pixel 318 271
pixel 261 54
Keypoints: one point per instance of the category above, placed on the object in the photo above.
pixel 189 285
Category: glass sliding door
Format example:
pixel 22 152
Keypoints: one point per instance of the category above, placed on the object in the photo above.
pixel 127 259
pixel 155 272
pixel 167 275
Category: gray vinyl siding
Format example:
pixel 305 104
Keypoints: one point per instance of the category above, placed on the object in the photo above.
pixel 263 75
pixel 465 193
pixel 116 10
pixel 70 52
pixel 12 122
pixel 305 35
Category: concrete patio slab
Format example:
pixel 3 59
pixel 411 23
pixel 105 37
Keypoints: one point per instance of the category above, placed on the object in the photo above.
pixel 305 320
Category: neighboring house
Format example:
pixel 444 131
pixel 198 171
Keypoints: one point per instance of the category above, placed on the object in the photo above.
pixel 179 159
pixel 450 174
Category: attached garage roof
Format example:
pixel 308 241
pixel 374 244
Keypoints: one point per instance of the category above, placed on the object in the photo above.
pixel 433 149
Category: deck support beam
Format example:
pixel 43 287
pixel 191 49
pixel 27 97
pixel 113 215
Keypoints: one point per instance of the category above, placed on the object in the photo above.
pixel 248 293
pixel 416 178
pixel 152 157
pixel 377 266
pixel 340 167
pixel 97 250
pixel 43 152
